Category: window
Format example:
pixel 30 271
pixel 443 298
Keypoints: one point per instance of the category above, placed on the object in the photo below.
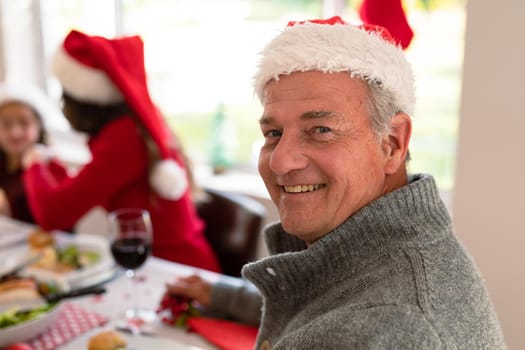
pixel 201 55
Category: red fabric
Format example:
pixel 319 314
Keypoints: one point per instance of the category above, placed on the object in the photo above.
pixel 117 177
pixel 13 185
pixel 122 59
pixel 329 21
pixel 226 335
pixel 388 14
pixel 72 321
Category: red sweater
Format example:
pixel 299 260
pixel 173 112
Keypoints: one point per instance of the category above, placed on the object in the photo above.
pixel 117 177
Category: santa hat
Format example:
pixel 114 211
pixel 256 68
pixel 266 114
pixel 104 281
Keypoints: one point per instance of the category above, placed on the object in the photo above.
pixel 32 96
pixel 105 71
pixel 389 14
pixel 368 52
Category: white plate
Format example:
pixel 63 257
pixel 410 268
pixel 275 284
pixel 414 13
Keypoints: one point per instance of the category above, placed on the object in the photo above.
pixel 13 231
pixel 27 330
pixel 85 242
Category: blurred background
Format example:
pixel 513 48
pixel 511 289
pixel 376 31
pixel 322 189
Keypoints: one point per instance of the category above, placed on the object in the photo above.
pixel 201 55
pixel 200 58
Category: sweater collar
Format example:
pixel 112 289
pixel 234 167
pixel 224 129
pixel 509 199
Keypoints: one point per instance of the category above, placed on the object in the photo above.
pixel 412 214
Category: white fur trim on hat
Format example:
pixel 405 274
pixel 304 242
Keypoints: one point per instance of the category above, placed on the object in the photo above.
pixel 338 48
pixel 82 82
pixel 168 179
pixel 32 96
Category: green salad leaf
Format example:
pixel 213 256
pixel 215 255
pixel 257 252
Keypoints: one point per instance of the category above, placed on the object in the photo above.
pixel 14 316
pixel 73 256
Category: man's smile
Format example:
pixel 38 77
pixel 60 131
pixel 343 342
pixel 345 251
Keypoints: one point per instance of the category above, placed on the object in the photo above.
pixel 302 188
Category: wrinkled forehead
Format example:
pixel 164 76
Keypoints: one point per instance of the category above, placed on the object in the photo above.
pixel 316 86
pixel 314 95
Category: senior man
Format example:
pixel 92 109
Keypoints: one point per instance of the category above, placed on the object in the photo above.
pixel 364 256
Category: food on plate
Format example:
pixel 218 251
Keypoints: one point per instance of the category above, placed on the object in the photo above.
pixel 25 289
pixel 59 259
pixel 49 259
pixel 18 289
pixel 40 239
pixel 107 340
pixel 14 317
pixel 22 290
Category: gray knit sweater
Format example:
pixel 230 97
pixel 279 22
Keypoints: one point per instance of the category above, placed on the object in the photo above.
pixel 393 276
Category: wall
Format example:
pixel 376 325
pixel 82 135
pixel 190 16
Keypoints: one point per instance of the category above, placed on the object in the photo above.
pixel 489 195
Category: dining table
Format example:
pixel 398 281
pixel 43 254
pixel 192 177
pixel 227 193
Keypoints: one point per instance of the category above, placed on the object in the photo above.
pixel 151 280
pixel 108 308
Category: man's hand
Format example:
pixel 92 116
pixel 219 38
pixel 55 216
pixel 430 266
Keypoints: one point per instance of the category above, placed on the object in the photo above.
pixel 193 287
pixel 182 298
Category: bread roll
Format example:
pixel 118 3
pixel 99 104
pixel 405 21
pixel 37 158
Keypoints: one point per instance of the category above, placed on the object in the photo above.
pixel 107 340
pixel 18 290
pixel 40 239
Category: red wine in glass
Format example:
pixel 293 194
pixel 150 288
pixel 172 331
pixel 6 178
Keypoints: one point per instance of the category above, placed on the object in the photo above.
pixel 130 253
pixel 131 235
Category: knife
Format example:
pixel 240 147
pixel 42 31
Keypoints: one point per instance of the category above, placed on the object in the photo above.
pixel 42 299
pixel 54 297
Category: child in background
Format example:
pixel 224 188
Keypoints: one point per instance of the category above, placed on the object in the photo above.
pixel 23 110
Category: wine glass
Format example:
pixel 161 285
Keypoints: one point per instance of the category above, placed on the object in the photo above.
pixel 131 235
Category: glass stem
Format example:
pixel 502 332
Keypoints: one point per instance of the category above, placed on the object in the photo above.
pixel 134 310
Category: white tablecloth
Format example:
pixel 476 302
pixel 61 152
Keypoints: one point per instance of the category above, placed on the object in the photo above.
pixel 152 278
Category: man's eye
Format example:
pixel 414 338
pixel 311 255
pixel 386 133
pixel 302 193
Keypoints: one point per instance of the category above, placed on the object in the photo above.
pixel 322 129
pixel 273 133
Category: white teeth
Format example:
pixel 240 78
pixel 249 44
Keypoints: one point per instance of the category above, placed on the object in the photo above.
pixel 302 188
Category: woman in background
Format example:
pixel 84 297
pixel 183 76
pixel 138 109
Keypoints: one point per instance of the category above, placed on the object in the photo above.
pixel 135 160
pixel 22 113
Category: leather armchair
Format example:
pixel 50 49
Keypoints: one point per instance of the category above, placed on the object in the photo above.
pixel 233 224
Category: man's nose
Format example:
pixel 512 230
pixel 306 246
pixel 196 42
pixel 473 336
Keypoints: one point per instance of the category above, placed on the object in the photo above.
pixel 288 155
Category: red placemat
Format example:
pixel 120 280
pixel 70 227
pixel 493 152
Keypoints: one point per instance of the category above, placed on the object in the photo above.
pixel 71 322
pixel 226 335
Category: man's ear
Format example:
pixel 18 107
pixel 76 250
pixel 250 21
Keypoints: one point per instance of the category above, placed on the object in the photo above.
pixel 395 145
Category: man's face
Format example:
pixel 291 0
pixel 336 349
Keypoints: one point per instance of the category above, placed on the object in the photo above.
pixel 320 162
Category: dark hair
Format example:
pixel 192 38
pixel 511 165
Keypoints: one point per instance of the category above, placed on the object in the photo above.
pixel 89 117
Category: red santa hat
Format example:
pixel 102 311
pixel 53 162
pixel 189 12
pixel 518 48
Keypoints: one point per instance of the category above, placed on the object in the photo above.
pixel 105 71
pixel 368 52
pixel 389 14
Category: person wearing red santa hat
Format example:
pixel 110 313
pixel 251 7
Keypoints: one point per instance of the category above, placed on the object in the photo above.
pixel 364 255
pixel 136 160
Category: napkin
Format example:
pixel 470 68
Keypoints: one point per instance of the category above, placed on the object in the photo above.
pixel 227 335
pixel 72 321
